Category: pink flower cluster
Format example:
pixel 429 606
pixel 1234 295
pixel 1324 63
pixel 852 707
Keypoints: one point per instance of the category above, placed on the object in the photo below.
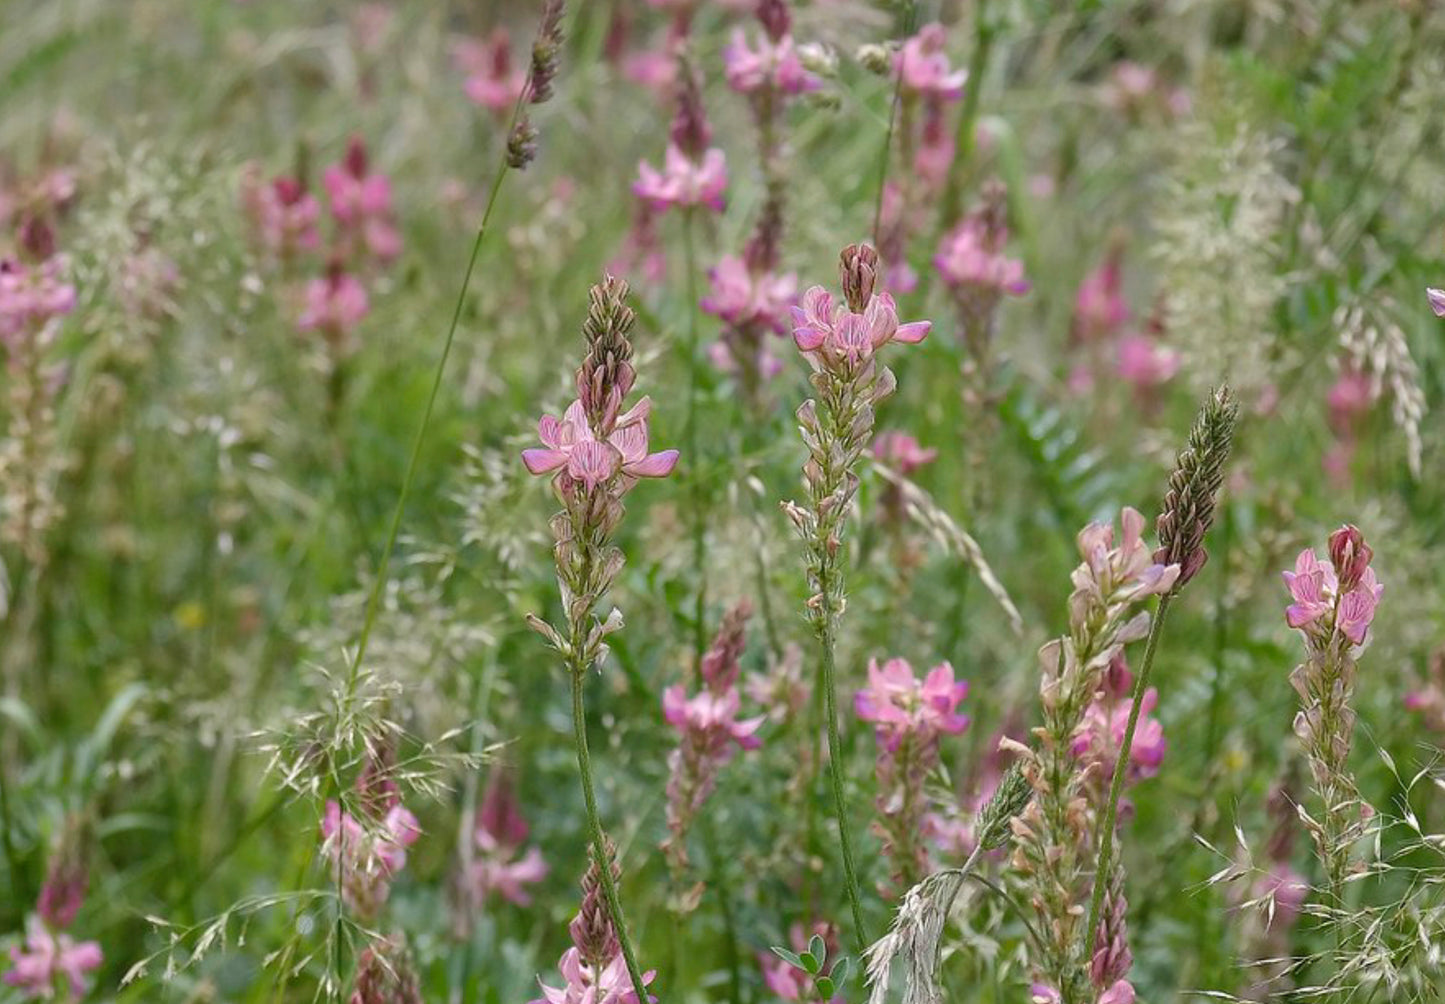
pixel 1121 574
pixel 773 65
pixel 1349 401
pixel 361 206
pixel 971 259
pixel 499 834
pixel 744 297
pixel 585 983
pixel 366 854
pixel 568 444
pixel 1336 595
pixel 49 956
pixel 31 297
pixel 1121 992
pixel 923 66
pixel 492 79
pixel 684 182
pixel 832 336
pixel 1102 732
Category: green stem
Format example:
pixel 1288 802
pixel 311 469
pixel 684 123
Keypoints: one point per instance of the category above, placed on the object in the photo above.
pixel 596 835
pixel 888 138
pixel 1121 766
pixel 835 773
pixel 18 885
pixel 694 392
pixel 967 116
pixel 373 600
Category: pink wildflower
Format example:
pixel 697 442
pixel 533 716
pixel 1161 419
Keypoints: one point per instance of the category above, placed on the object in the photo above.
pixel 898 703
pixel 1315 589
pixel 684 182
pixel 741 297
pixel 499 833
pixel 1436 297
pixel 772 65
pixel 49 957
pixel 592 984
pixel 31 296
pixel 1102 731
pixel 1121 992
pixel 971 257
pixel 709 719
pixel 1145 363
pixel 283 212
pixel 1100 310
pixel 361 202
pixel 1124 573
pixel 569 443
pixel 830 335
pixel 335 305
pixel 367 856
pixel 1042 993
pixel 923 64
pixel 492 80
pixel 901 452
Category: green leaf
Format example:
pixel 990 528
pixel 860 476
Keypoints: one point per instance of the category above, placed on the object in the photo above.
pixel 790 958
pixel 825 987
pixel 842 969
pixel 811 963
pixel 818 950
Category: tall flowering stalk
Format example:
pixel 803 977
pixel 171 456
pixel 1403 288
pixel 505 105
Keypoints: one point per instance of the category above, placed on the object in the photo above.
pixel 598 452
pixel 708 729
pixel 909 717
pixel 1334 603
pixel 1188 513
pixel 1052 838
pixel 50 960
pixel 840 343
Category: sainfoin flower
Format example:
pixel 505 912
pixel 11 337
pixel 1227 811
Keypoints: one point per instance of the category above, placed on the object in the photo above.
pixel 1315 588
pixel 499 833
pixel 568 443
pixel 1102 732
pixel 971 257
pixel 367 855
pixel 1100 309
pixel 831 334
pixel 898 703
pixel 923 65
pixel 335 305
pixel 771 64
pixel 591 984
pixel 282 211
pixel 900 451
pixel 1145 363
pixel 32 295
pixel 742 297
pixel 493 81
pixel 683 182
pixel 361 202
pixel 1436 297
pixel 48 957
pixel 1126 572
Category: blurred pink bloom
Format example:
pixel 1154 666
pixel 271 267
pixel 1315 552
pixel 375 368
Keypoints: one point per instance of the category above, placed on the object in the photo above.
pixel 1101 733
pixel 585 985
pixel 48 957
pixel 1042 993
pixel 923 64
pixel 32 295
pixel 361 201
pixel 367 857
pixel 335 305
pixel 657 71
pixel 827 334
pixel 936 146
pixel 569 442
pixel 1437 301
pixel 710 718
pixel 499 833
pixel 781 691
pixel 1349 398
pixel 1100 310
pixel 898 703
pixel 970 256
pixel 284 213
pixel 683 182
pixel 1145 363
pixel 741 297
pixel 1289 889
pixel 492 81
pixel 1121 992
pixel 901 452
pixel 773 65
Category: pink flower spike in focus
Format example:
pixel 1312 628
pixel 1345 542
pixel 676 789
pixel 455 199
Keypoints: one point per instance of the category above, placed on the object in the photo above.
pixel 1323 603
pixel 835 334
pixel 47 957
pixel 682 182
pixel 923 64
pixel 588 984
pixel 569 443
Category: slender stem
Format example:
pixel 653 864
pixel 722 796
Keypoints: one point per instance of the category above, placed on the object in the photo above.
pixel 1121 767
pixel 892 124
pixel 596 835
pixel 835 773
pixel 373 600
pixel 725 906
pixel 18 886
pixel 953 195
pixel 694 392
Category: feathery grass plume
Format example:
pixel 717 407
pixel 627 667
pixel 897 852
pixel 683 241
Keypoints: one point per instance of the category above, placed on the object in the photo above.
pixel 1194 485
pixel 1376 345
pixel 1219 231
pixel 1188 513
pixel 1054 836
pixel 918 926
pixel 598 452
pixel 1334 603
pixel 840 344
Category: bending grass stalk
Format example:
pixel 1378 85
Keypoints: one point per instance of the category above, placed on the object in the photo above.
pixel 835 774
pixel 596 835
pixel 1121 766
